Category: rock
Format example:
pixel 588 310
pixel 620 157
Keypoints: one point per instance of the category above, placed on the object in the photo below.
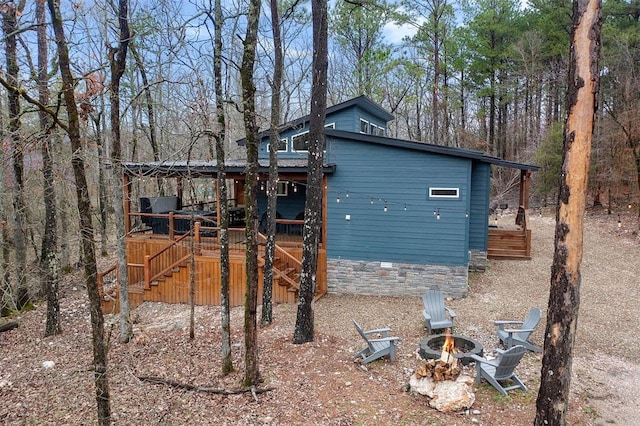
pixel 48 364
pixel 447 396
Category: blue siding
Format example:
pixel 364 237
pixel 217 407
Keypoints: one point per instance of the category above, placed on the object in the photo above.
pixel 288 206
pixel 480 192
pixel 347 119
pixel 400 177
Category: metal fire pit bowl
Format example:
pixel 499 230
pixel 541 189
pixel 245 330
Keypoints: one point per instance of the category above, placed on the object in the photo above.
pixel 431 347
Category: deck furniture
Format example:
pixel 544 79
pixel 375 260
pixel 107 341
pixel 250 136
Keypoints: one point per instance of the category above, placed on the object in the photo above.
pixel 501 369
pixel 436 315
pixel 377 347
pixel 519 335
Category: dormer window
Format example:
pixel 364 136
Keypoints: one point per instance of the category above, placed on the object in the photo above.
pixel 282 146
pixel 300 142
pixel 364 126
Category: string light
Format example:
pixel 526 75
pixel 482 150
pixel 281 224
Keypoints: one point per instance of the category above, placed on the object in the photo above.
pixel 385 206
pixel 405 207
pixel 338 198
pixel 347 194
pixel 619 222
pixel 371 200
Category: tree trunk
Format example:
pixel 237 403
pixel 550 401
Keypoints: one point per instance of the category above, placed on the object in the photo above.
pixel 20 294
pixel 49 252
pixel 564 297
pixel 304 329
pixel 272 186
pixel 251 373
pixel 117 59
pixel 220 135
pixel 86 227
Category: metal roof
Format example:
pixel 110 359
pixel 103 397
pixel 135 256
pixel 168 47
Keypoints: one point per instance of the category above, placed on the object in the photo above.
pixel 427 147
pixel 202 168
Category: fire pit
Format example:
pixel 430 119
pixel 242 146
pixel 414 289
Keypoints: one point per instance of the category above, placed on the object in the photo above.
pixel 431 347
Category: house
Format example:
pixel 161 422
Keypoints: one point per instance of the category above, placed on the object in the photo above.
pixel 399 217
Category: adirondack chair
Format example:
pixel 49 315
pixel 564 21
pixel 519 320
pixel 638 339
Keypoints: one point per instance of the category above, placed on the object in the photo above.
pixel 501 369
pixel 520 336
pixel 376 347
pixel 435 313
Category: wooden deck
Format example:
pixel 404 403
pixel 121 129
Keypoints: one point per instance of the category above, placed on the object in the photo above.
pixel 509 244
pixel 161 268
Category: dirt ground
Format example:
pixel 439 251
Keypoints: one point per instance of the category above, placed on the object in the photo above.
pixel 318 383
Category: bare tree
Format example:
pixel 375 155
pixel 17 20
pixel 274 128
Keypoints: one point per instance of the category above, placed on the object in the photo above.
pixel 49 255
pixel 564 297
pixel 10 13
pixel 84 210
pixel 304 329
pixel 220 136
pixel 117 60
pixel 252 372
pixel 272 185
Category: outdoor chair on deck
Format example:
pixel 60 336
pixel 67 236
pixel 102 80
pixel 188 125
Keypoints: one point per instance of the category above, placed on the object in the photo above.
pixel 501 369
pixel 435 313
pixel 377 347
pixel 520 336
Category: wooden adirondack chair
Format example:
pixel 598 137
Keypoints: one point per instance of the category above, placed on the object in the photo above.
pixel 501 369
pixel 377 347
pixel 435 313
pixel 520 336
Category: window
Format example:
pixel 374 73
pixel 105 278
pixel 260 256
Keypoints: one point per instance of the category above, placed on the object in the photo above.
pixel 300 142
pixel 444 193
pixel 282 146
pixel 364 126
pixel 373 128
pixel 330 126
pixel 283 189
pixel 380 131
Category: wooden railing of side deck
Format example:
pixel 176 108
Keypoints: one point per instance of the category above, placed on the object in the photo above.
pixel 286 268
pixel 165 261
pixel 509 244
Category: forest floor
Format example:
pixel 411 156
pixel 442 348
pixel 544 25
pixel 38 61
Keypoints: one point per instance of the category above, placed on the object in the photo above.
pixel 319 383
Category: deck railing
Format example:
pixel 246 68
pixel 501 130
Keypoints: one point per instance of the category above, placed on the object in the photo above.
pixel 166 260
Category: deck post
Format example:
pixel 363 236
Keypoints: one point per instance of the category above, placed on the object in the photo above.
pixel 171 226
pixel 147 272
pixel 196 236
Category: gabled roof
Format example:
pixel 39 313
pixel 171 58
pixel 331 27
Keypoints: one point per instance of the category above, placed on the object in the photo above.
pixel 361 101
pixel 427 147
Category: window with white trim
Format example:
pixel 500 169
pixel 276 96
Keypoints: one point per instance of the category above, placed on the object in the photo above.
pixel 282 145
pixel 300 142
pixel 364 126
pixel 444 192
pixel 282 189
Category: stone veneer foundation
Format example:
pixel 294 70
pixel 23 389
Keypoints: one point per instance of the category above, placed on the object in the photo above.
pixel 394 279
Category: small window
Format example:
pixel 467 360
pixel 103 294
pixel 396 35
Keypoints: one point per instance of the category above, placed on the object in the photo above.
pixel 373 129
pixel 380 131
pixel 330 126
pixel 444 193
pixel 364 126
pixel 300 142
pixel 282 146
pixel 283 189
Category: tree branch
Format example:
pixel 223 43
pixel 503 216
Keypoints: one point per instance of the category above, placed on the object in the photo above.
pixel 206 389
pixel 32 101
